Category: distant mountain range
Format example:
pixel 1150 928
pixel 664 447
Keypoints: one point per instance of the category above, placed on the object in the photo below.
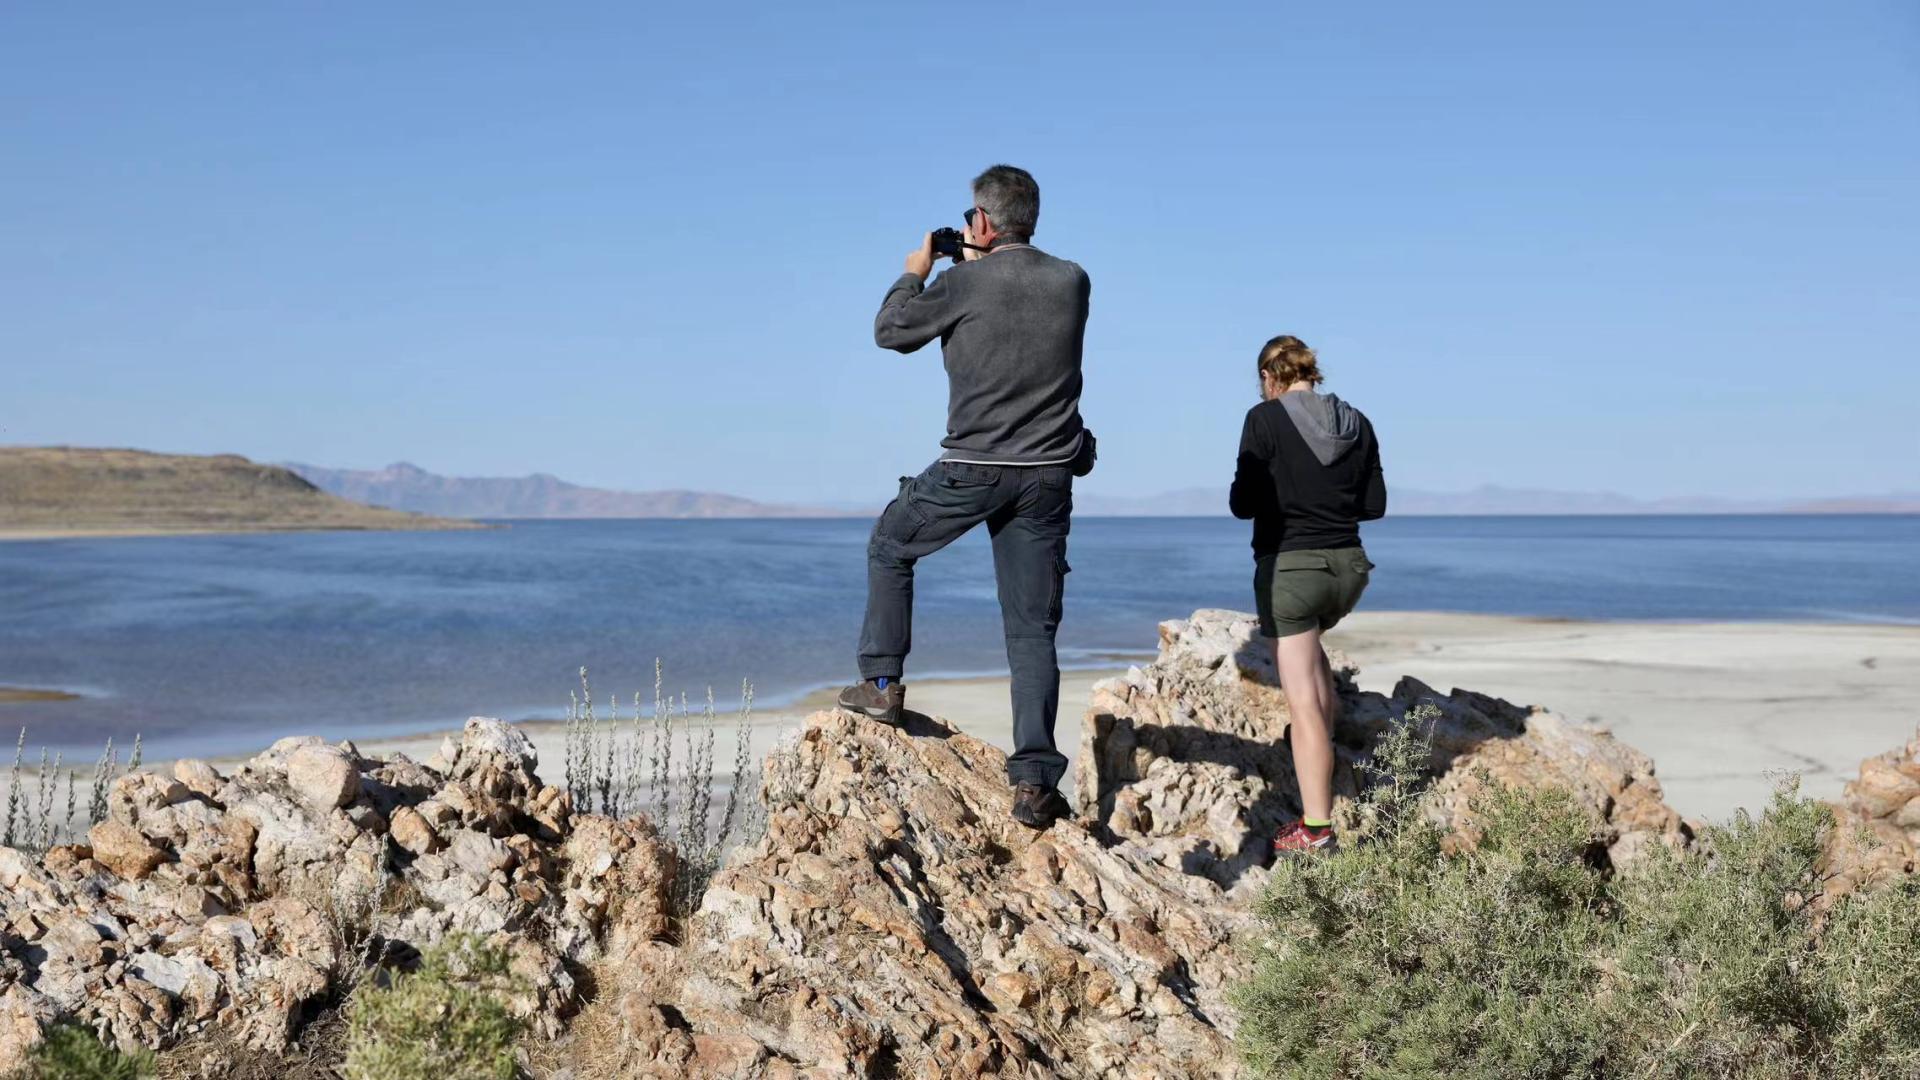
pixel 1492 500
pixel 402 486
pixel 408 487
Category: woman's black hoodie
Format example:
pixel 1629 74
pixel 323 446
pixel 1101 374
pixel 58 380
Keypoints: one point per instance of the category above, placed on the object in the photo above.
pixel 1309 473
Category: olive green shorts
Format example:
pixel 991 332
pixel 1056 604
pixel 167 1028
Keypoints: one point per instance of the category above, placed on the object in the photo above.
pixel 1297 591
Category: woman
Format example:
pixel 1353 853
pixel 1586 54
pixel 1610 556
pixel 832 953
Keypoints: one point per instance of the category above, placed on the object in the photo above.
pixel 1309 473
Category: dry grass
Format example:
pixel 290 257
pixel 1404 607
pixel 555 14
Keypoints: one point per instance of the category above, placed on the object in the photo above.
pixel 316 1055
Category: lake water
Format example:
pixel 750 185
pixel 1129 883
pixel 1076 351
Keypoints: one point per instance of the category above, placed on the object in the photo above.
pixel 212 644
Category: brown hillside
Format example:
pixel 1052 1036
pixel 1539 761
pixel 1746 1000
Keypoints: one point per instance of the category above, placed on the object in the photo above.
pixel 57 490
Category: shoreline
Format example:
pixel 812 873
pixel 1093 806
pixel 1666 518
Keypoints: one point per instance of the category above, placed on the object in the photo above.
pixel 1722 708
pixel 128 532
pixel 10 694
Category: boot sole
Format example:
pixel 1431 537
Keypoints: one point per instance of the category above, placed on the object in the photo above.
pixel 889 717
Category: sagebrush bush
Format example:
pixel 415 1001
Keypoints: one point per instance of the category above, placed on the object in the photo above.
pixel 72 1052
pixel 1524 957
pixel 447 1020
pixel 629 771
pixel 31 823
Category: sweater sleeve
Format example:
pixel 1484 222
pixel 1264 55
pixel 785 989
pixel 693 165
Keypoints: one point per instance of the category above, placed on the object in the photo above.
pixel 1373 504
pixel 913 314
pixel 1252 492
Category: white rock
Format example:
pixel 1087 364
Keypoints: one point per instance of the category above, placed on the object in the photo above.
pixel 486 735
pixel 274 758
pixel 477 853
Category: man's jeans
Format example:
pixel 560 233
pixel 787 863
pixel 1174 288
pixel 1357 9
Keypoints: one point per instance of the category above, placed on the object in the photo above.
pixel 1027 509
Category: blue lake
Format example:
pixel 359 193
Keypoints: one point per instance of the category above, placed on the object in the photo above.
pixel 212 644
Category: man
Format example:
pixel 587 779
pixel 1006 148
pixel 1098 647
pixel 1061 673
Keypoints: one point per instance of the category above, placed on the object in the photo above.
pixel 1011 320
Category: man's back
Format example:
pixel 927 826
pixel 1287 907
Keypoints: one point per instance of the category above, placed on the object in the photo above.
pixel 1011 327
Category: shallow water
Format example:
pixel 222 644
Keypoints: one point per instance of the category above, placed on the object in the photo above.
pixel 212 644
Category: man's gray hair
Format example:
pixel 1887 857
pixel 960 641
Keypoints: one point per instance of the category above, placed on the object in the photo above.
pixel 1011 198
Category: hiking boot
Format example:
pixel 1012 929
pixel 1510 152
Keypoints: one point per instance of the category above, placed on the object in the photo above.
pixel 869 700
pixel 1037 807
pixel 1300 838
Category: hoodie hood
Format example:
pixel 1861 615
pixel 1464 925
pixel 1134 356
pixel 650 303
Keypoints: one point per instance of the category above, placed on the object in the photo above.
pixel 1330 426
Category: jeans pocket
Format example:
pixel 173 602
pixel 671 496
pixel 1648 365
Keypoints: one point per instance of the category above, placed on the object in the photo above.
pixel 960 474
pixel 902 520
pixel 1056 604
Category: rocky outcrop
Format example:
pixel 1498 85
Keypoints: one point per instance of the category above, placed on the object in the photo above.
pixel 1186 759
pixel 892 921
pixel 1877 833
pixel 242 902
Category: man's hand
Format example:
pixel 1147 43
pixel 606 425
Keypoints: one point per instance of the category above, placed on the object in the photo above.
pixel 920 259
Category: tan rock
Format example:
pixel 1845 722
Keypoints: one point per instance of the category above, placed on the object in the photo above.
pixel 198 776
pixel 411 831
pixel 1877 828
pixel 138 795
pixel 122 849
pixel 25 1014
pixel 615 886
pixel 322 776
pixel 1883 789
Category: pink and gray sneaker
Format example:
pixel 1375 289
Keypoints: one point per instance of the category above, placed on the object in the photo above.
pixel 1300 838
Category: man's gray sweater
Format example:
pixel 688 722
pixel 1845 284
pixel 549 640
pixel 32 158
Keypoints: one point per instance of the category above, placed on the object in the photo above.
pixel 1011 326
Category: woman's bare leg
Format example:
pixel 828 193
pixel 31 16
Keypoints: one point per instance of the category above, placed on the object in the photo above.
pixel 1330 689
pixel 1304 679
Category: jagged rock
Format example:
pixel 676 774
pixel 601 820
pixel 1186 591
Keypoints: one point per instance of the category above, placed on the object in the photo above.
pixel 198 777
pixel 122 849
pixel 894 915
pixel 546 992
pixel 398 782
pixel 497 753
pixel 25 1014
pixel 186 977
pixel 273 760
pixel 411 831
pixel 1185 759
pixel 228 901
pixel 615 891
pixel 137 795
pixel 1876 831
pixel 477 854
pixel 323 776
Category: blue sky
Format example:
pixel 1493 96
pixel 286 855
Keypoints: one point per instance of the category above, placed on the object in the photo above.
pixel 1654 248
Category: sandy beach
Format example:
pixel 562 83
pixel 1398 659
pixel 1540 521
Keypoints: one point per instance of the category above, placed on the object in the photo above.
pixel 1723 708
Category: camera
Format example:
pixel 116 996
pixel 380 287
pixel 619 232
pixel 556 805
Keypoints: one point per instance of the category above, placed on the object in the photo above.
pixel 948 244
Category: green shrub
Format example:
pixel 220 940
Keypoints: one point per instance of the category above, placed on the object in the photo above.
pixel 72 1052
pixel 1523 958
pixel 444 1021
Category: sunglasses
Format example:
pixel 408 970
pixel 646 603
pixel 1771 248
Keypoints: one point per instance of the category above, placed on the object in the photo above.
pixel 968 216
